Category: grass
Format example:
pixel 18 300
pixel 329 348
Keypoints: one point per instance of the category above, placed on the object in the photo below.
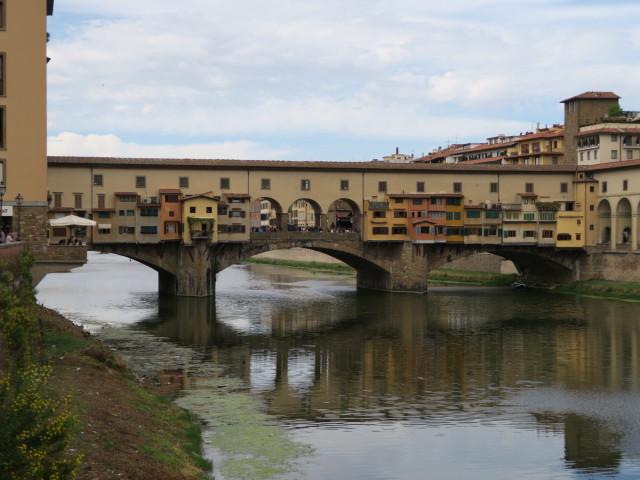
pixel 336 268
pixel 442 275
pixel 629 291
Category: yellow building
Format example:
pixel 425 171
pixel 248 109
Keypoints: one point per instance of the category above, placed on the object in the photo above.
pixel 23 116
pixel 544 147
pixel 199 215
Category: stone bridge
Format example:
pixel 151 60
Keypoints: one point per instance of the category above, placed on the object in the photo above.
pixel 190 270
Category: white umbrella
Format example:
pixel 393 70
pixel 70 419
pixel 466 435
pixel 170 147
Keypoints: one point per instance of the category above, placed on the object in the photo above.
pixel 72 221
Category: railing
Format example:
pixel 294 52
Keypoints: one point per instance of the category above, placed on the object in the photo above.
pixel 304 236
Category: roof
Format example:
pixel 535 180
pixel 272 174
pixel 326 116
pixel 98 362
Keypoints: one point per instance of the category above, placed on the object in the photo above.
pixel 237 195
pixel 199 164
pixel 593 96
pixel 615 130
pixel 169 190
pixel 423 195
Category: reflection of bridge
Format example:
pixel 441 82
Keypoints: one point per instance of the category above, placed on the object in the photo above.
pixel 190 270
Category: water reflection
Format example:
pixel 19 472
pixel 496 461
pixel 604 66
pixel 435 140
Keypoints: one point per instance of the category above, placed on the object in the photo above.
pixel 462 383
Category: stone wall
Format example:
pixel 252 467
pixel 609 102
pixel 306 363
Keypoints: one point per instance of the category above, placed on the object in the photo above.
pixel 483 262
pixel 610 265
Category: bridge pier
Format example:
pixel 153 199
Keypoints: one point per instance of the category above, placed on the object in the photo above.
pixel 405 271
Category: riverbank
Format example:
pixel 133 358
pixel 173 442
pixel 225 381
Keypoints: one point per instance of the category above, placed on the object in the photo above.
pixel 125 429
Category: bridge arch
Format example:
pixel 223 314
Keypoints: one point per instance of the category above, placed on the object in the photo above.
pixel 623 215
pixel 344 214
pixel 604 222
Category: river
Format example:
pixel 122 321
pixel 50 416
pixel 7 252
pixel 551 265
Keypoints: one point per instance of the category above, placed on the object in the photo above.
pixel 300 376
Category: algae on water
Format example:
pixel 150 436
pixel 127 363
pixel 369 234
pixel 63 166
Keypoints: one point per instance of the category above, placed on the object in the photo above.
pixel 250 443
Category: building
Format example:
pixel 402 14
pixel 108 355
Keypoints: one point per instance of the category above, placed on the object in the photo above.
pixel 23 118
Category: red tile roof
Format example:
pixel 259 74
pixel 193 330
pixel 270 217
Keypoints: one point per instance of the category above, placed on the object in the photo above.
pixel 169 190
pixel 593 96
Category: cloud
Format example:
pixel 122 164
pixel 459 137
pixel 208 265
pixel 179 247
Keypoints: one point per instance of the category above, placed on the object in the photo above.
pixel 72 144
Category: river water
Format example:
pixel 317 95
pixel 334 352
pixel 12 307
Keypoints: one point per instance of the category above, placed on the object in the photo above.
pixel 300 376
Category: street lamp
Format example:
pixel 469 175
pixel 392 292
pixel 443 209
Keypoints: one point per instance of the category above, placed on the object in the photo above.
pixel 19 199
pixel 3 189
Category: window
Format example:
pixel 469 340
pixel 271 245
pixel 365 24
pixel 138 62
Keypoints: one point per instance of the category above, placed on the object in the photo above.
pixel 2 128
pixel 380 230
pixel 77 200
pixel 148 229
pixel 547 234
pixel 625 185
pixel 453 201
pixel 2 14
pixel 554 160
pixel 399 214
pixel 265 184
pixel 614 138
pixel 510 233
pixel 592 208
pixel 131 213
pixel 126 230
pixel 492 214
pixel 222 210
pixel 382 186
pixel 344 184
pixel 379 214
pixel 121 213
pixel 171 198
pixel 529 216
pixel 104 215
pixel 305 184
pixel 529 234
pixel 225 183
pixel 563 236
pixel 98 180
pixel 420 187
pixel 183 182
pixel 493 187
pixel 171 227
pixel 236 214
pixel 209 209
pixel 192 209
pixel 148 212
pixel 417 201
pixel 528 187
pixel 399 230
pixel 436 215
pixel 592 189
pixel 141 182
pixel 2 74
pixel 101 200
pixel 547 216
pixel 398 200
pixel 564 187
pixel 604 187
pixel 614 154
pixel 457 187
pixel 629 154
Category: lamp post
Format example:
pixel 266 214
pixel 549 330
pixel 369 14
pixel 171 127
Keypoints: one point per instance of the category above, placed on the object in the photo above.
pixel 3 189
pixel 19 199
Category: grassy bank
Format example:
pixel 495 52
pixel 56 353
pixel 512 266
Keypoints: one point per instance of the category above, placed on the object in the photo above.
pixel 124 429
pixel 442 275
pixel 336 268
pixel 629 291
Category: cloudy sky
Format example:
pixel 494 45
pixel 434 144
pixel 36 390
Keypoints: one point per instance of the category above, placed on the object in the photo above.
pixel 329 80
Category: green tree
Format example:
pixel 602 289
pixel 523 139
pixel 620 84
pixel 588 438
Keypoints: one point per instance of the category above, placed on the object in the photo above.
pixel 36 427
pixel 615 110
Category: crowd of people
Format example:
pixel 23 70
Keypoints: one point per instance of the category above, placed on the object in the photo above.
pixel 301 228
pixel 6 237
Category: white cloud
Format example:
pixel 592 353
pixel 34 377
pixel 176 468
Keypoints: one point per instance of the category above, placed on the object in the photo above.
pixel 72 144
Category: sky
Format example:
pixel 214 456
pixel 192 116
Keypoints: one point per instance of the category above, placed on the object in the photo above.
pixel 326 80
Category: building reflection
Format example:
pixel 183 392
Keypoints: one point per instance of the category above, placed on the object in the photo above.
pixel 449 354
